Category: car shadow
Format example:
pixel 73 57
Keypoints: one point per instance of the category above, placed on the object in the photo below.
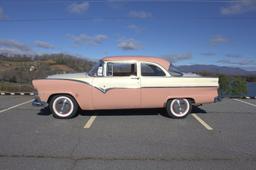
pixel 123 112
pixel 44 112
pixel 198 110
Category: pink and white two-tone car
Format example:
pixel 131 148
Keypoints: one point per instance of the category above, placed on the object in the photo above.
pixel 125 82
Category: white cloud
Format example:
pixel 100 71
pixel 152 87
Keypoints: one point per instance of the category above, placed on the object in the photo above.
pixel 135 28
pixel 43 44
pixel 78 8
pixel 2 14
pixel 219 39
pixel 88 40
pixel 140 14
pixel 174 58
pixel 239 7
pixel 14 44
pixel 129 44
pixel 14 47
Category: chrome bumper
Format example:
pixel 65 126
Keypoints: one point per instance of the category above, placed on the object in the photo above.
pixel 217 99
pixel 38 103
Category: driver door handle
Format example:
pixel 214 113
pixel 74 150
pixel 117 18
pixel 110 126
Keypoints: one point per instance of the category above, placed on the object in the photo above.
pixel 137 78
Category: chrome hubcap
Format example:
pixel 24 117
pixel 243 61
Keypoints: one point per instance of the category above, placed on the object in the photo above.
pixel 63 106
pixel 180 106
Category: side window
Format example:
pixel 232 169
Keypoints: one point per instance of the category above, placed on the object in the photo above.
pixel 121 69
pixel 151 70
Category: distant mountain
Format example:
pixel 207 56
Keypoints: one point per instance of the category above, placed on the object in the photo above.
pixel 214 69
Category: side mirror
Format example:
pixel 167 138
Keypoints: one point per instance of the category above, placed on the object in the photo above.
pixel 100 71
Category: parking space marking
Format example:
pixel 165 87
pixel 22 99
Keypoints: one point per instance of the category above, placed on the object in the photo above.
pixel 89 122
pixel 245 102
pixel 202 122
pixel 12 107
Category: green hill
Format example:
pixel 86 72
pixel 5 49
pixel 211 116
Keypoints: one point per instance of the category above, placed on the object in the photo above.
pixel 17 72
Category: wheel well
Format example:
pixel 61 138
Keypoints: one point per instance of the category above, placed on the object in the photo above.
pixel 191 100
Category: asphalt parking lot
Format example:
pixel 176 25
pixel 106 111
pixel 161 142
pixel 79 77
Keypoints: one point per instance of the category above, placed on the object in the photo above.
pixel 215 136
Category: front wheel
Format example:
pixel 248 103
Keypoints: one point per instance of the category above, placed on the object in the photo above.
pixel 178 108
pixel 63 106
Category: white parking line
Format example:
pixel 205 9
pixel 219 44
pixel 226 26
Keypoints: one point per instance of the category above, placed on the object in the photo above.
pixel 202 122
pixel 4 110
pixel 89 122
pixel 245 102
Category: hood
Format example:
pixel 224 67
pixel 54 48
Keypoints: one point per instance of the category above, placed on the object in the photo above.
pixel 68 76
pixel 190 75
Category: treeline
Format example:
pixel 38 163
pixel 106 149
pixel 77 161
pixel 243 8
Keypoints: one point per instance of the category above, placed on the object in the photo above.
pixel 16 58
pixel 232 86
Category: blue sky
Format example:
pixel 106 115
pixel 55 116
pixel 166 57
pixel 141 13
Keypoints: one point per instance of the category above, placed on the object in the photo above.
pixel 220 32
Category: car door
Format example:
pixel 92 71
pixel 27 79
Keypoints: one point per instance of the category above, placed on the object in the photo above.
pixel 153 89
pixel 119 87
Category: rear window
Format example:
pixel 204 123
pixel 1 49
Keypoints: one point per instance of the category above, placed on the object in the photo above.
pixel 151 70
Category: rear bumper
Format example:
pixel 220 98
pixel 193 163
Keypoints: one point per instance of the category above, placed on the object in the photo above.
pixel 38 103
pixel 217 99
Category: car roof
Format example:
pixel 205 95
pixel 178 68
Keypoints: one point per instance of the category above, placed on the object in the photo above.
pixel 164 63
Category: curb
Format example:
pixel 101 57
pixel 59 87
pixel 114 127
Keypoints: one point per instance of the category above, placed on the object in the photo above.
pixel 17 94
pixel 249 97
pixel 243 97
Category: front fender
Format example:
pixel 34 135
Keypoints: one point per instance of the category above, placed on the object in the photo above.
pixel 82 92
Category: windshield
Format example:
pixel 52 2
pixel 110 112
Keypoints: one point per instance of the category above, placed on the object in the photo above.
pixel 174 71
pixel 94 71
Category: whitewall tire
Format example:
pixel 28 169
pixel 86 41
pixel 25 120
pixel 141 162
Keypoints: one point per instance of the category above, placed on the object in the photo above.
pixel 63 106
pixel 178 108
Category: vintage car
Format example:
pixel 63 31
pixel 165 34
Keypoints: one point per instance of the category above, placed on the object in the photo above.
pixel 125 82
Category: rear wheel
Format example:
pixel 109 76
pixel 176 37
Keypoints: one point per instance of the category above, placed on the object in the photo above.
pixel 178 108
pixel 63 107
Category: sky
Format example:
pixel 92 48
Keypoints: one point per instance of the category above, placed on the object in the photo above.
pixel 219 32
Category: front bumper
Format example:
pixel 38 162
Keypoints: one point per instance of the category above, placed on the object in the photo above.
pixel 38 103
